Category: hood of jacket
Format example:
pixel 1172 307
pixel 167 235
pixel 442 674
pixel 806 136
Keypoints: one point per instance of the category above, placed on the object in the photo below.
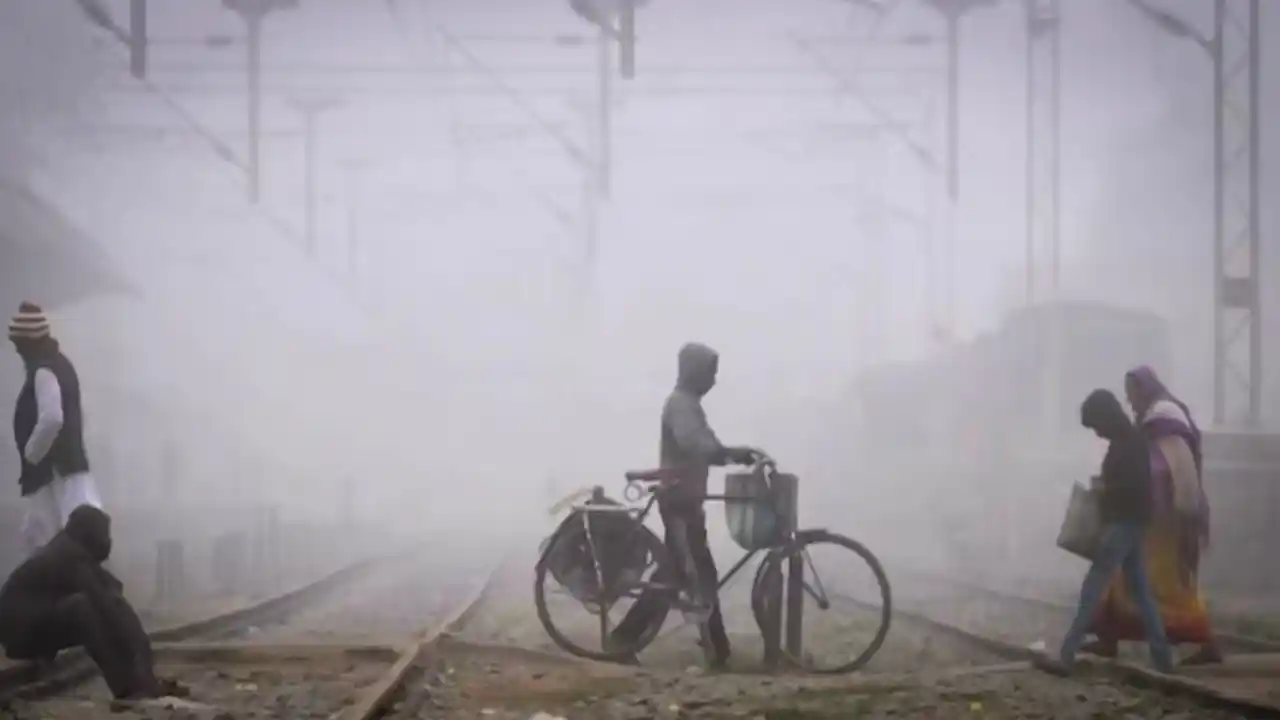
pixel 697 365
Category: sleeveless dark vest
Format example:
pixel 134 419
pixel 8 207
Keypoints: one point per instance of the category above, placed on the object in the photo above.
pixel 67 456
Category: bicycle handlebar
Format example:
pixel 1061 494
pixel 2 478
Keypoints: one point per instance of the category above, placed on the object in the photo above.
pixel 763 461
pixel 638 488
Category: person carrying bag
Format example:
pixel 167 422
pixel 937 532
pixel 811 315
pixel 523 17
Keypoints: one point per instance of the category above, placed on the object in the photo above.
pixel 1082 528
pixel 1124 509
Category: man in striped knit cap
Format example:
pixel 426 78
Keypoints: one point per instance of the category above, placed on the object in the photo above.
pixel 48 426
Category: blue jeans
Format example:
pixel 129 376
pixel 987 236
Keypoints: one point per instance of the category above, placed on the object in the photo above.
pixel 1121 547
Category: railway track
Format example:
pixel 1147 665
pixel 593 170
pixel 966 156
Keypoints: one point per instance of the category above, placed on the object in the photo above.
pixel 340 647
pixel 405 638
pixel 1020 629
pixel 938 662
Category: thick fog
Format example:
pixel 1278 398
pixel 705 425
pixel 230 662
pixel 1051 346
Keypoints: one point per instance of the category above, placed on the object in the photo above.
pixel 485 355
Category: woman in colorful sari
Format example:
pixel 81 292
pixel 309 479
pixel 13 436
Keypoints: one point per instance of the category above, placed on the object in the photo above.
pixel 1180 529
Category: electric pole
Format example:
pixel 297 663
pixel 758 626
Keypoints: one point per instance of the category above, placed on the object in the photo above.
pixel 254 12
pixel 604 119
pixel 616 22
pixel 1237 61
pixel 1235 49
pixel 953 11
pixel 311 109
pixel 135 39
pixel 1044 145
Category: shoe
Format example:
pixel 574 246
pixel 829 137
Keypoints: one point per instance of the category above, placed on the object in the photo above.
pixel 172 688
pixel 1206 655
pixel 1100 649
pixel 715 660
pixel 1060 667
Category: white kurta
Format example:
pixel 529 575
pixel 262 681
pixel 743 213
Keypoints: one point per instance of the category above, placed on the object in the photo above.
pixel 49 507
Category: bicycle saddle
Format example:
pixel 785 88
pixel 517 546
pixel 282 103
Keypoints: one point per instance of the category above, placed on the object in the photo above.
pixel 654 475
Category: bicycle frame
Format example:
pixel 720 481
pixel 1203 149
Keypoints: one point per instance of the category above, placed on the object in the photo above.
pixel 638 517
pixel 783 579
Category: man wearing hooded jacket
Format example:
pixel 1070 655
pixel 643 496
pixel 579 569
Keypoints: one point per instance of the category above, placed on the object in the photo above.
pixel 688 443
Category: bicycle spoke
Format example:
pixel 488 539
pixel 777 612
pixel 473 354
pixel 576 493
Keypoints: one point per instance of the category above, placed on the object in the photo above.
pixel 819 594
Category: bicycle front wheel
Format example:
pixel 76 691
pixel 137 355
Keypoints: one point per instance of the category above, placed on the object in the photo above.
pixel 844 601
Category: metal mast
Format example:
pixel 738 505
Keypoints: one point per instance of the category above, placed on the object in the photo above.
pixel 1235 47
pixel 311 108
pixel 1043 127
pixel 1237 63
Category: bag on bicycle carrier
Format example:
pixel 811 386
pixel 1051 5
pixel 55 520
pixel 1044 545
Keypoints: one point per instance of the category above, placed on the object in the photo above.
pixel 752 513
pixel 618 547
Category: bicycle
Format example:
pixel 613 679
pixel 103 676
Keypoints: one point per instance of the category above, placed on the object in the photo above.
pixel 612 573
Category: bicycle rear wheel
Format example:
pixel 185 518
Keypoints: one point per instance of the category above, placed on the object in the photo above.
pixel 549 590
pixel 853 622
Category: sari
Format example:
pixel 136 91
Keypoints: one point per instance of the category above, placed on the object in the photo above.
pixel 1179 527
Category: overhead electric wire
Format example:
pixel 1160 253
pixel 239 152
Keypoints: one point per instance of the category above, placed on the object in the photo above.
pixel 100 17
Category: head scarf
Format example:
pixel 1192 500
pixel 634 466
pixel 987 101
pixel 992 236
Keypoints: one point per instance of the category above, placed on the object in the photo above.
pixel 1150 390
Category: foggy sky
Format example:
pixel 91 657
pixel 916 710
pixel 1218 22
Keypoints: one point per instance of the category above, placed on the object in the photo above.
pixel 469 356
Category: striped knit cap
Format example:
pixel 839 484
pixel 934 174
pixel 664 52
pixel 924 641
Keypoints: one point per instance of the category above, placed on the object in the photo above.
pixel 30 323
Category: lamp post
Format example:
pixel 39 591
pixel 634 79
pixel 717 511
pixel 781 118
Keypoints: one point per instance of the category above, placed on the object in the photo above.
pixel 1235 50
pixel 254 12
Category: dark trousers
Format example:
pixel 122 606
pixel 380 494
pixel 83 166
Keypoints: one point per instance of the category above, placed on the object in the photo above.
pixel 110 633
pixel 1121 548
pixel 685 530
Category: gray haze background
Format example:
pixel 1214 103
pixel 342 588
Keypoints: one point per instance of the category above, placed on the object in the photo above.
pixel 468 372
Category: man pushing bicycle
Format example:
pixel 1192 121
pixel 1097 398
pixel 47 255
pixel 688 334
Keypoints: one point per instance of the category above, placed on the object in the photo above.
pixel 690 446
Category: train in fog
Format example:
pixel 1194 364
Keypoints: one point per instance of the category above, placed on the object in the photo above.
pixel 982 441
